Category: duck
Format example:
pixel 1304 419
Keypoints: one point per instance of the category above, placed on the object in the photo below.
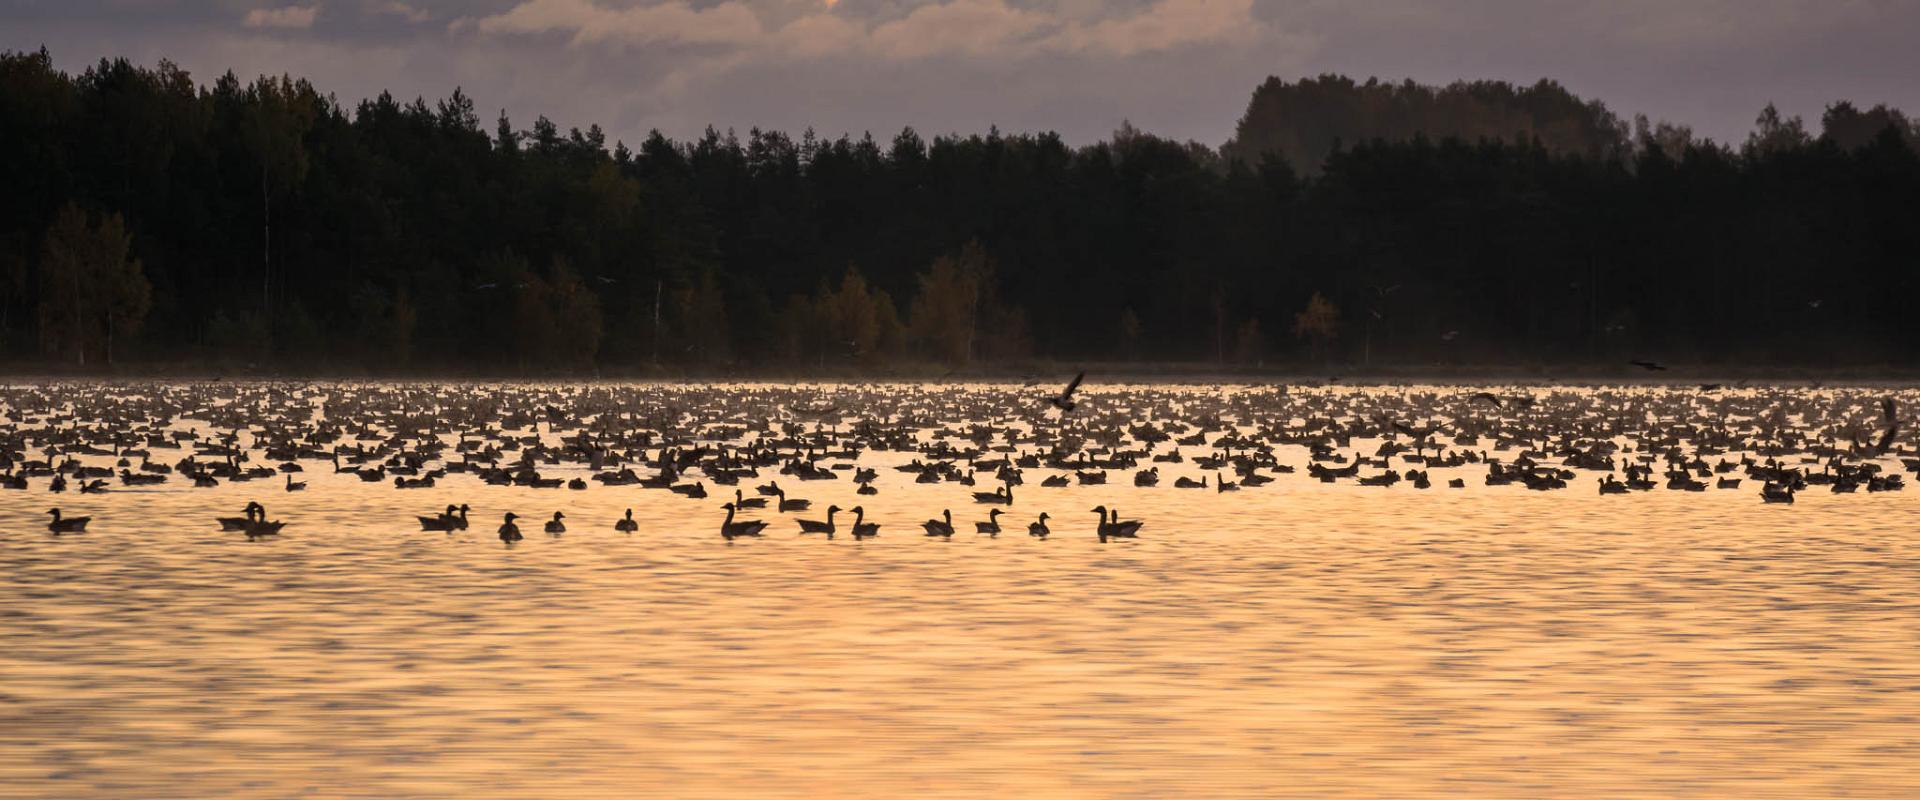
pixel 814 526
pixel 731 530
pixel 1038 528
pixel 740 500
pixel 67 524
pixel 992 526
pixel 295 486
pixel 941 528
pixel 626 524
pixel 510 532
pixel 555 526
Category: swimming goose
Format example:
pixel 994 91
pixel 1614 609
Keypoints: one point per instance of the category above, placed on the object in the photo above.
pixel 1001 496
pixel 67 525
pixel 742 501
pixel 555 526
pixel 240 523
pixel 730 529
pixel 259 527
pixel 813 526
pixel 510 532
pixel 295 486
pixel 861 528
pixel 626 524
pixel 792 505
pixel 1038 528
pixel 941 528
pixel 991 526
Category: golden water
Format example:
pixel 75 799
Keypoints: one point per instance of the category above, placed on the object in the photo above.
pixel 1298 639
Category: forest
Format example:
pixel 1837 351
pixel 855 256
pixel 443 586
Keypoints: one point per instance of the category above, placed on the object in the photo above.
pixel 150 218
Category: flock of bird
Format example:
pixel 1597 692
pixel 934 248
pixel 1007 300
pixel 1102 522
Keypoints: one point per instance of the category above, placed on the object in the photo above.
pixel 681 438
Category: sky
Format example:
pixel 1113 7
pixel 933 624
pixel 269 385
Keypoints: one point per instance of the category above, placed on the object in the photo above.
pixel 1179 68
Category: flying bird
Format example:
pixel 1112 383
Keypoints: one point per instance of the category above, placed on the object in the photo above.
pixel 1650 366
pixel 1065 401
pixel 1893 425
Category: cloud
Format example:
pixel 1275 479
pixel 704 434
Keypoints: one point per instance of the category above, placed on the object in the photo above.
pixel 290 17
pixel 941 29
pixel 404 11
pixel 663 23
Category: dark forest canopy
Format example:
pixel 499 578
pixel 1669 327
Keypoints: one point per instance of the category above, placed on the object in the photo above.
pixel 1308 120
pixel 148 217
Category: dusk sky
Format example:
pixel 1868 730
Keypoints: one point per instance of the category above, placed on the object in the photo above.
pixel 1181 68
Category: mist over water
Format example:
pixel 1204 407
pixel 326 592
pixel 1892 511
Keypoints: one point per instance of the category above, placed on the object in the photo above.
pixel 1283 640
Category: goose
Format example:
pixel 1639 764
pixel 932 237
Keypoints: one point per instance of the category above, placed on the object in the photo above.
pixel 127 478
pixel 1114 529
pixel 1128 528
pixel 991 526
pixel 696 491
pixel 626 524
pixel 861 528
pixel 1147 477
pixel 813 526
pixel 577 485
pixel 866 488
pixel 259 527
pixel 1776 493
pixel 453 519
pixel 1001 496
pixel 742 501
pixel 67 525
pixel 295 486
pixel 555 526
pixel 1038 528
pixel 1610 485
pixel 792 505
pixel 510 532
pixel 730 530
pixel 941 528
pixel 240 523
pixel 769 489
pixel 1184 482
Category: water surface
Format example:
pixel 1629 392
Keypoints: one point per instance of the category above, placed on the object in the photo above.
pixel 1297 639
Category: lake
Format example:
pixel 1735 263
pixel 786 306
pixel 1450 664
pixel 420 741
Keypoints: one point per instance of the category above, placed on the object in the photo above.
pixel 1299 638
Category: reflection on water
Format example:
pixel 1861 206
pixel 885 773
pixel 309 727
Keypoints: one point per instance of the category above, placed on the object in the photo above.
pixel 1295 639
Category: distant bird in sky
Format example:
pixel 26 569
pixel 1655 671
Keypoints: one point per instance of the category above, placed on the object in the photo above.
pixel 1065 401
pixel 1650 366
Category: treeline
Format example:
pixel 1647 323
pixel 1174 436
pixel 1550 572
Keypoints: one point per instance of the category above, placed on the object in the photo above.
pixel 146 216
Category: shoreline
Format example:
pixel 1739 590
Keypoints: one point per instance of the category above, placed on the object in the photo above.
pixel 1044 373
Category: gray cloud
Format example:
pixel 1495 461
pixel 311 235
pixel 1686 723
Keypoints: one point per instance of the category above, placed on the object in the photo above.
pixel 1179 67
